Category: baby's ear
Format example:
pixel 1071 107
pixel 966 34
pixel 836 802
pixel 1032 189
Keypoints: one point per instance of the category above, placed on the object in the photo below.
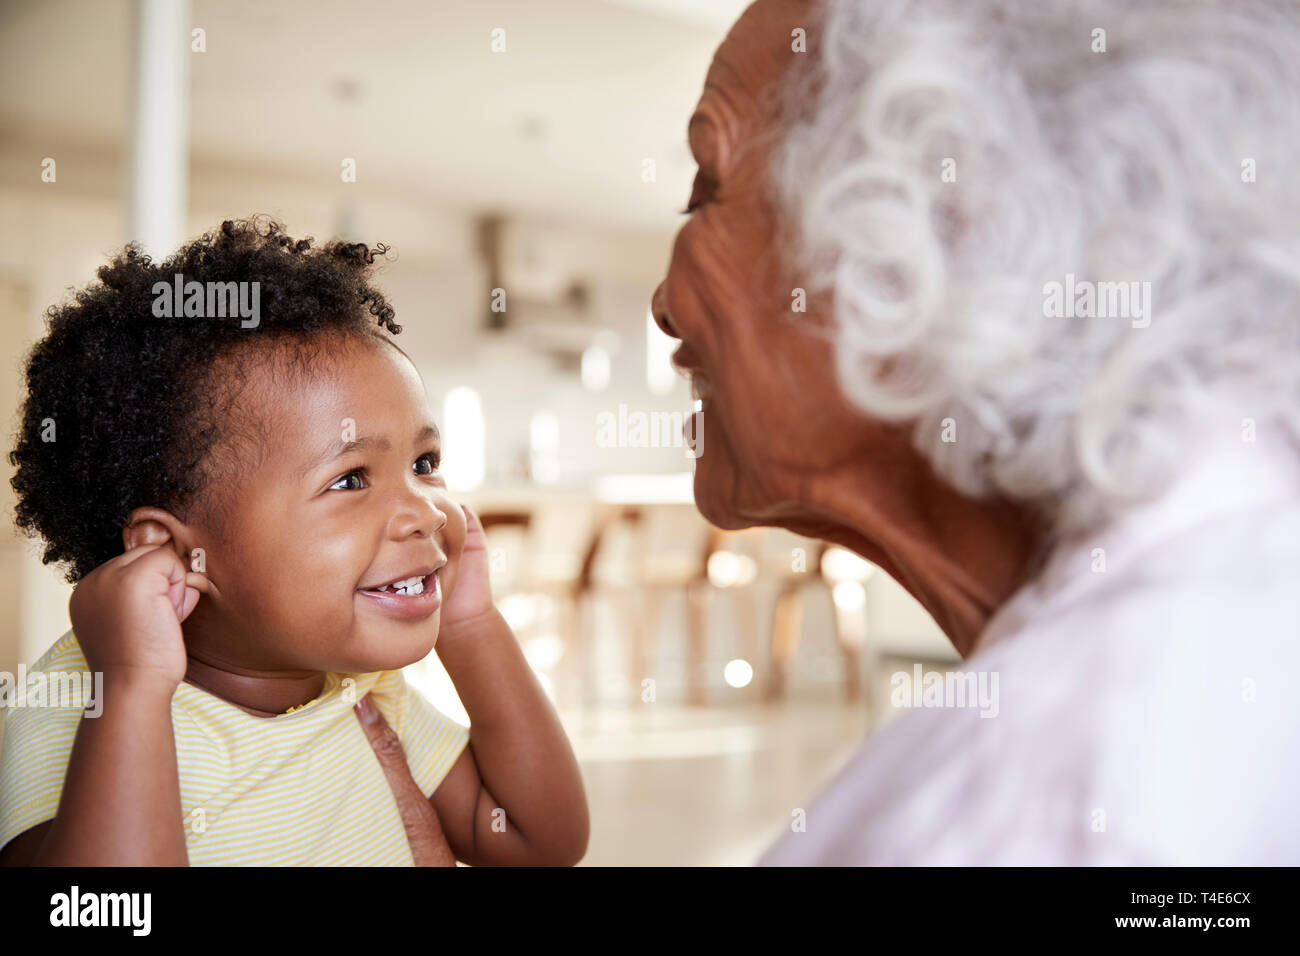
pixel 149 525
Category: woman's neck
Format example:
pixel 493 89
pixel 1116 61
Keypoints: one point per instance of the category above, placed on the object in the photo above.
pixel 960 558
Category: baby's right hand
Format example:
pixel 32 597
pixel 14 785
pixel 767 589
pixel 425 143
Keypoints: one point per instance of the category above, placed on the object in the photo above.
pixel 127 614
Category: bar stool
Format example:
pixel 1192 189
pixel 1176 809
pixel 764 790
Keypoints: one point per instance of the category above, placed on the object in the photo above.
pixel 842 576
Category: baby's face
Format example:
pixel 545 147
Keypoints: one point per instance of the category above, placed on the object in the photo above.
pixel 316 524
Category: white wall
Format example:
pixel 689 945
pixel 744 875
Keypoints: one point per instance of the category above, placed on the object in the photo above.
pixel 55 235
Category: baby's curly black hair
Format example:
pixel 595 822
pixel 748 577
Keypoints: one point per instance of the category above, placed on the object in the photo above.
pixel 125 409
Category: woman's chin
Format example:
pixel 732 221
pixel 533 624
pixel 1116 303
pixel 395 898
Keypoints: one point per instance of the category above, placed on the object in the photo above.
pixel 715 492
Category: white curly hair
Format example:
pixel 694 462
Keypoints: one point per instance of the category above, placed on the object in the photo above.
pixel 939 162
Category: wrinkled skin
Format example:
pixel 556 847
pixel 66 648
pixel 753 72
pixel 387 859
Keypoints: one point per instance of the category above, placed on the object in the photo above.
pixel 782 446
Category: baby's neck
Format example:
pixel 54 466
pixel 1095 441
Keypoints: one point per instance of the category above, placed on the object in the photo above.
pixel 262 694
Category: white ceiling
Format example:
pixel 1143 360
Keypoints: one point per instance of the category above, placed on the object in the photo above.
pixel 558 125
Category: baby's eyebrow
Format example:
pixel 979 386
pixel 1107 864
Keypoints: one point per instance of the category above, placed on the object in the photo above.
pixel 338 448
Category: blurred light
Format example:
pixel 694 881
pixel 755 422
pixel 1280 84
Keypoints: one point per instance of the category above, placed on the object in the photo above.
pixel 840 564
pixel 660 376
pixel 544 447
pixel 544 651
pixel 609 340
pixel 546 685
pixel 850 596
pixel 595 368
pixel 614 685
pixel 678 488
pixel 431 679
pixel 519 610
pixel 729 570
pixel 738 673
pixel 462 439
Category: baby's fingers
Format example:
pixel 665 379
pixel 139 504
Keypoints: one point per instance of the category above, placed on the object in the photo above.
pixel 475 536
pixel 195 585
pixel 471 520
pixel 201 583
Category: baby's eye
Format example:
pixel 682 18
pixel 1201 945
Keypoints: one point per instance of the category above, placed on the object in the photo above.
pixel 433 458
pixel 357 473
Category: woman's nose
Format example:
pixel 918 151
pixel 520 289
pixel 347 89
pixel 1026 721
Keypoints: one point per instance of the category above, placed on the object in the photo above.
pixel 659 310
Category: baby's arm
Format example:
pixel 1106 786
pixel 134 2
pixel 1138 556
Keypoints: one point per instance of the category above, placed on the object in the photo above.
pixel 121 802
pixel 515 796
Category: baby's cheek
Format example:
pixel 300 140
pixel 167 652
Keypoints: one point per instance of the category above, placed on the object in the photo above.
pixel 323 597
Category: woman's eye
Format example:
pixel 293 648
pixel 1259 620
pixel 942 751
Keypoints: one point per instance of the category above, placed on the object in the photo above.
pixel 699 190
pixel 351 474
pixel 433 460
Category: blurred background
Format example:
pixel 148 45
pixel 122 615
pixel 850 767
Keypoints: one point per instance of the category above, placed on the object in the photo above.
pixel 710 682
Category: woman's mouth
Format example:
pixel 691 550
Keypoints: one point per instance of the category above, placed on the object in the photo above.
pixel 701 387
pixel 413 597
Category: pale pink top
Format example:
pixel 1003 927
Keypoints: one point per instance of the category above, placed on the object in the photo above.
pixel 1147 714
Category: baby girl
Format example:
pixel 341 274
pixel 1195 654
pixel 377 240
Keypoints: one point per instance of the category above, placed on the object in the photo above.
pixel 260 536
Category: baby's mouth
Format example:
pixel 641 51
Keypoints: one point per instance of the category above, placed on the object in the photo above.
pixel 409 587
pixel 410 599
pixel 415 582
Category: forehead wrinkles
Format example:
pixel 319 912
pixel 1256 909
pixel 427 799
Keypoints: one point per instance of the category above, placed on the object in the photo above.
pixel 734 117
pixel 716 123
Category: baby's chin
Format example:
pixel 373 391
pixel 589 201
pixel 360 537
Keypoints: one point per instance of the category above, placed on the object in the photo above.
pixel 392 649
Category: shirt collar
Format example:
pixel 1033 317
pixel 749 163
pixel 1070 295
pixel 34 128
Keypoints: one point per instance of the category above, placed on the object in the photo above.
pixel 1222 475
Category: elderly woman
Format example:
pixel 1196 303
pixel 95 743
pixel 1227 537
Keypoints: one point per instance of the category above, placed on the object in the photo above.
pixel 1009 304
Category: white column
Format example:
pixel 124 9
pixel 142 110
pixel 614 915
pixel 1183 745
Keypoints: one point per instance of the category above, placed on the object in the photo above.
pixel 158 180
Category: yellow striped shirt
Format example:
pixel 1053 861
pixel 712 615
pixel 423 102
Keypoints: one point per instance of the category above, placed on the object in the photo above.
pixel 300 789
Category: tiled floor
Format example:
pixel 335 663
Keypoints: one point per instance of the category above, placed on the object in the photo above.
pixel 671 785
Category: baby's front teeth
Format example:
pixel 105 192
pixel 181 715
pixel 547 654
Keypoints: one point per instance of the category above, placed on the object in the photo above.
pixel 410 586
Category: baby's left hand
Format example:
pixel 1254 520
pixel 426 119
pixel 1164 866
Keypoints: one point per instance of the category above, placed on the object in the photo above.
pixel 471 595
